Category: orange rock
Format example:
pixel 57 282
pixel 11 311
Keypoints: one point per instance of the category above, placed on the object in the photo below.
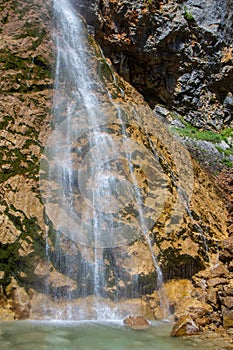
pixel 184 326
pixel 136 322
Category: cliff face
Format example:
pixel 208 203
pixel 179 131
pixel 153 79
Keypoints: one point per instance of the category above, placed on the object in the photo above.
pixel 177 53
pixel 153 64
pixel 26 92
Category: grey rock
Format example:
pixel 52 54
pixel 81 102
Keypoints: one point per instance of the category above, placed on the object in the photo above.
pixel 208 14
pixel 228 102
pixel 224 145
pixel 177 123
pixel 168 58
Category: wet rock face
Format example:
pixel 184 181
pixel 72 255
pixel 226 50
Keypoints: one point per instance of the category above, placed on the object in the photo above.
pixel 176 53
pixel 26 91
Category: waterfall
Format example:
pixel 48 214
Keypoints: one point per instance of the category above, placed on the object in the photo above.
pixel 104 183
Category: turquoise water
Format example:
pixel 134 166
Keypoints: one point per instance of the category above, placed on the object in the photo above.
pixel 60 335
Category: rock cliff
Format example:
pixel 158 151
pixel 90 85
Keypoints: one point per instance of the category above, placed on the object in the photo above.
pixel 176 53
pixel 164 55
pixel 26 92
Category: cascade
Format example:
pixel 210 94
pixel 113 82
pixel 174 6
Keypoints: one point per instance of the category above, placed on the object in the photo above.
pixel 105 180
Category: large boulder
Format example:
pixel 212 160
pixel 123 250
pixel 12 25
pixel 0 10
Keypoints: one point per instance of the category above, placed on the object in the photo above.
pixel 184 326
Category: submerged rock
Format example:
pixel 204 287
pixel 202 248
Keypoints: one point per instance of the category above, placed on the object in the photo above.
pixel 136 322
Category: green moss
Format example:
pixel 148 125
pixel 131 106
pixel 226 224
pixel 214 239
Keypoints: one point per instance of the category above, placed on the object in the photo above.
pixel 207 135
pixel 14 4
pixel 104 71
pixel 27 69
pixel 225 133
pixel 18 163
pixel 193 133
pixel 227 152
pixel 228 163
pixel 188 15
pixel 11 61
pixel 36 43
pixel 211 136
pixel 7 119
pixel 5 19
pixel 10 261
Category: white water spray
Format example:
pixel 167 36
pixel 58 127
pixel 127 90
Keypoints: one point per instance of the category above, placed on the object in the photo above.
pixel 92 176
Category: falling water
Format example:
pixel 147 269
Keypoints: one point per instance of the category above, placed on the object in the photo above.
pixel 74 80
pixel 97 179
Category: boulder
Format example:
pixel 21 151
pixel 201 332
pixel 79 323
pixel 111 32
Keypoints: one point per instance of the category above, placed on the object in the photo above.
pixel 228 302
pixel 213 282
pixel 228 290
pixel 193 308
pixel 212 296
pixel 227 318
pixel 218 271
pixel 226 254
pixel 136 322
pixel 184 326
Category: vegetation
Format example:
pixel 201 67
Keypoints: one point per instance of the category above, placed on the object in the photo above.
pixel 208 135
pixel 227 152
pixel 194 133
pixel 188 15
pixel 214 137
pixel 11 262
pixel 227 163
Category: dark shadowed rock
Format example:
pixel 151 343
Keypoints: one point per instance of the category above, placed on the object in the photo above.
pixel 174 52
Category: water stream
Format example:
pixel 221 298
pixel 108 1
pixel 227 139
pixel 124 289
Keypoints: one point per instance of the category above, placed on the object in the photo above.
pixel 96 336
pixel 105 183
